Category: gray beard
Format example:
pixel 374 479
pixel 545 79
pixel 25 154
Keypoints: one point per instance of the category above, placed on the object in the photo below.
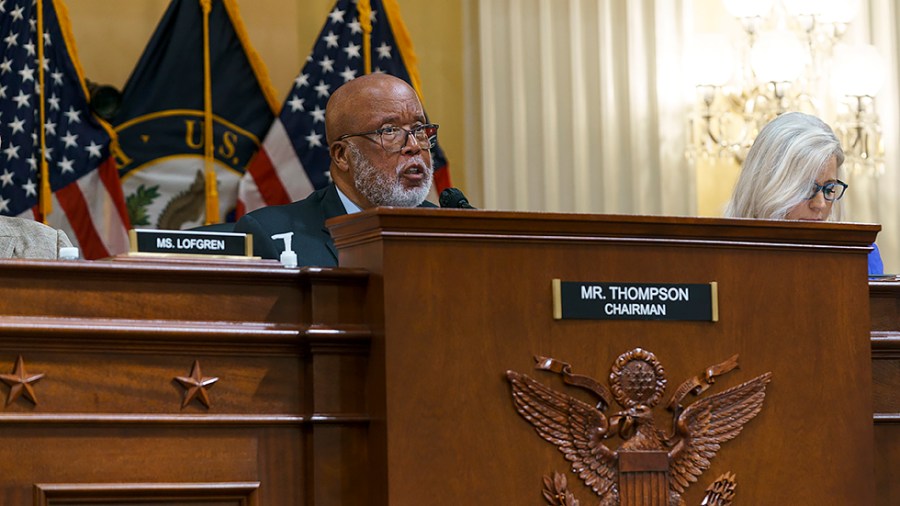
pixel 382 189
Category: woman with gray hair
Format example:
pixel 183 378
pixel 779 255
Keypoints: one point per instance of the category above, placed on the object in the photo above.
pixel 792 173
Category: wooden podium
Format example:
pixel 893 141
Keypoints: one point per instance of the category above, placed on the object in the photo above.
pixel 457 298
pixel 384 382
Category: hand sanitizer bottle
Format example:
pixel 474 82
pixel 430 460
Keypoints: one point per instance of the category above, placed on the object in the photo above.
pixel 288 258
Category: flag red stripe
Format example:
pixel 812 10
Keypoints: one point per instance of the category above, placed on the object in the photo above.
pixel 267 180
pixel 442 178
pixel 109 174
pixel 76 208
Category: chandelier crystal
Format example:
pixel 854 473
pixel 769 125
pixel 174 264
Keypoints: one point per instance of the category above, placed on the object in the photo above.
pixel 790 58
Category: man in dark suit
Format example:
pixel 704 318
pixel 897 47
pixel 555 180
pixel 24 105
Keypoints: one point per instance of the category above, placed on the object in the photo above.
pixel 380 144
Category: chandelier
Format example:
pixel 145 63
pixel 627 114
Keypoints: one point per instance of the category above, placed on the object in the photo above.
pixel 790 57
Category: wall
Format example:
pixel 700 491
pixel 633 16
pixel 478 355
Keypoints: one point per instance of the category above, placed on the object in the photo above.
pixel 450 38
pixel 111 34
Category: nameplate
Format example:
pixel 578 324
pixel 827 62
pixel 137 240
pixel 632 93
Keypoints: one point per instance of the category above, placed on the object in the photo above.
pixel 577 300
pixel 191 242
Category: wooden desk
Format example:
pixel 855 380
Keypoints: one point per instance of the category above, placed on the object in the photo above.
pixel 385 383
pixel 885 309
pixel 110 338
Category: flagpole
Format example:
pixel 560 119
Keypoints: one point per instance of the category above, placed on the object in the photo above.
pixel 45 203
pixel 212 190
pixel 365 20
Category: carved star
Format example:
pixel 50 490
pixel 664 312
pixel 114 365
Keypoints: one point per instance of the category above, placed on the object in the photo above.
pixel 195 386
pixel 20 382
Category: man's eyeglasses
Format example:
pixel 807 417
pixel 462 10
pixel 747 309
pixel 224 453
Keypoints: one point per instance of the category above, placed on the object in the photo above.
pixel 393 139
pixel 832 190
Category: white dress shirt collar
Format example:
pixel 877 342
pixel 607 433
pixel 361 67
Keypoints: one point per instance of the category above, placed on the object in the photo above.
pixel 349 206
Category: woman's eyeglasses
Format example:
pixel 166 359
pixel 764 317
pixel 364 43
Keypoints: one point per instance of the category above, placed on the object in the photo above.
pixel 832 190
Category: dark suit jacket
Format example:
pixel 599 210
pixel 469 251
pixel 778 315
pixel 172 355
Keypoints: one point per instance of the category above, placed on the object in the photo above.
pixel 306 219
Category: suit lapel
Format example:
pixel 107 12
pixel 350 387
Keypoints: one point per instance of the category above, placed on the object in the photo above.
pixel 331 207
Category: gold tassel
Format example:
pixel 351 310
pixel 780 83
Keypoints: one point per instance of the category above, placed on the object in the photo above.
pixel 212 188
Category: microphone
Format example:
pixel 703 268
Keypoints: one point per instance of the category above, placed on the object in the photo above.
pixel 454 198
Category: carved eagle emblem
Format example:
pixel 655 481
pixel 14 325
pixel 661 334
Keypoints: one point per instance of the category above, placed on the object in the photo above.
pixel 637 380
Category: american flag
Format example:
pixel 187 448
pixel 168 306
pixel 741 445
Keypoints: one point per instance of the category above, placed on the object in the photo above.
pixel 86 197
pixel 294 157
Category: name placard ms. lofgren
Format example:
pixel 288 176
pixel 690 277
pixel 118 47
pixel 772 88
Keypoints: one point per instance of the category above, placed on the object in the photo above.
pixel 580 300
pixel 190 242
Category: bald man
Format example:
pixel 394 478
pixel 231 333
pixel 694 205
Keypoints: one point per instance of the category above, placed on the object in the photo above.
pixel 379 142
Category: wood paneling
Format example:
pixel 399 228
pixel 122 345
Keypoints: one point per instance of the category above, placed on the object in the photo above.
pixel 156 494
pixel 286 415
pixel 885 306
pixel 384 382
pixel 467 296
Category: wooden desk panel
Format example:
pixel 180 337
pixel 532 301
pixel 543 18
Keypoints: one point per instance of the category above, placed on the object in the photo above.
pixel 466 297
pixel 885 306
pixel 285 416
pixel 337 387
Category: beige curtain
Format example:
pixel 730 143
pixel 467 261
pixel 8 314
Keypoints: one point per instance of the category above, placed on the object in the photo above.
pixel 870 199
pixel 582 109
pixel 584 104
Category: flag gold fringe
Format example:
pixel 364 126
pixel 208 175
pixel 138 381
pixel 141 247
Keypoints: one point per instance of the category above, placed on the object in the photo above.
pixel 212 187
pixel 404 44
pixel 62 14
pixel 256 63
pixel 364 8
pixel 45 204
